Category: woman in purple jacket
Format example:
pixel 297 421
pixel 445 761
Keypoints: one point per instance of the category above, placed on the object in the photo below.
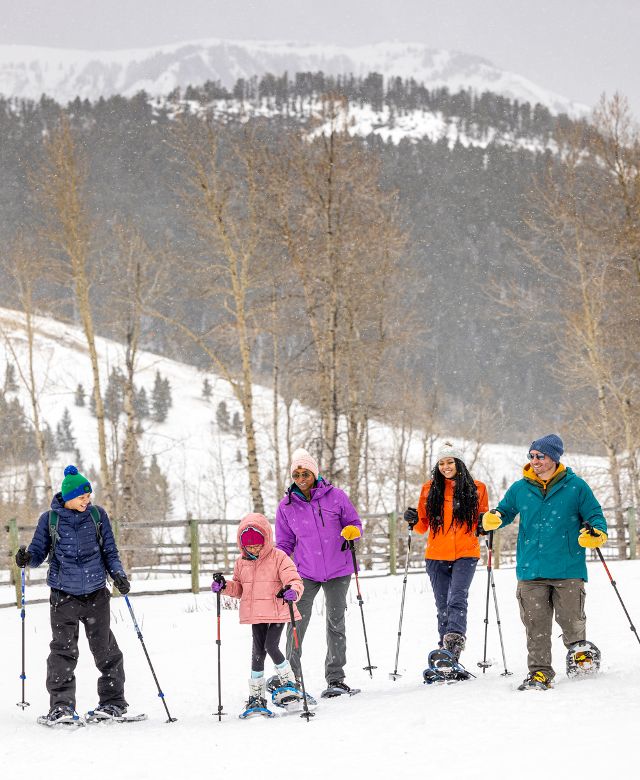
pixel 312 523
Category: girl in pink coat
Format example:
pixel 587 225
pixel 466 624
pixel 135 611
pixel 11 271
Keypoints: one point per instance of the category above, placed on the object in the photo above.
pixel 261 572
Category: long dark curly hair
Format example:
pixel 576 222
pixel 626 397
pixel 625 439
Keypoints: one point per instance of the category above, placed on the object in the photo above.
pixel 465 499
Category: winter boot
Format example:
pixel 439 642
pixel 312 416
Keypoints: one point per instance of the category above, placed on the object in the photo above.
pixel 537 681
pixel 256 698
pixel 454 643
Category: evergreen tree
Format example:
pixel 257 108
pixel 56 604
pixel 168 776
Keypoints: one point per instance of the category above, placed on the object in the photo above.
pixel 92 403
pixel 113 395
pixel 10 384
pixel 236 425
pixel 222 417
pixel 141 404
pixel 65 440
pixel 78 398
pixel 160 398
pixel 206 389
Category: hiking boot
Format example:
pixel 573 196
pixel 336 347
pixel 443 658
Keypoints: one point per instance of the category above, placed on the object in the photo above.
pixel 537 680
pixel 338 688
pixel 106 711
pixel 454 643
pixel 61 714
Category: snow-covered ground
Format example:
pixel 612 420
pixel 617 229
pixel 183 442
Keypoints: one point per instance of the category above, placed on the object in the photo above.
pixel 480 729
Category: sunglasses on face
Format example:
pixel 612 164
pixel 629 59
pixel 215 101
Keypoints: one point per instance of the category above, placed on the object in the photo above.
pixel 537 456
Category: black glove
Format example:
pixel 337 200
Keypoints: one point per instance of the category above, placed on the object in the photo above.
pixel 23 557
pixel 411 516
pixel 121 582
pixel 479 529
pixel 219 579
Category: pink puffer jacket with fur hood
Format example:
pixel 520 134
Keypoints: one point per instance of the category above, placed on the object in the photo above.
pixel 256 583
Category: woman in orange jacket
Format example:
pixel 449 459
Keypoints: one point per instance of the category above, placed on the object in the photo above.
pixel 448 510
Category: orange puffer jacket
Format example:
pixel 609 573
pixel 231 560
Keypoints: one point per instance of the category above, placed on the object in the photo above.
pixel 454 541
pixel 256 583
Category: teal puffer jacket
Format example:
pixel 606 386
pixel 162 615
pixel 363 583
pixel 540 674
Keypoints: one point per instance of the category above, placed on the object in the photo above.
pixel 549 526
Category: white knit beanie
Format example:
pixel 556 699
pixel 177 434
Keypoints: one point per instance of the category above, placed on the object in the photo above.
pixel 447 450
pixel 302 460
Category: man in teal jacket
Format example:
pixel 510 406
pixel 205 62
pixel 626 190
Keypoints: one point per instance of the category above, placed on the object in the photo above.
pixel 555 508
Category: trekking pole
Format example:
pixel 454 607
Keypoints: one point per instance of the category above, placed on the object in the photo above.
pixel 23 675
pixel 484 664
pixel 139 633
pixel 394 674
pixel 368 668
pixel 219 643
pixel 613 582
pixel 305 705
pixel 506 673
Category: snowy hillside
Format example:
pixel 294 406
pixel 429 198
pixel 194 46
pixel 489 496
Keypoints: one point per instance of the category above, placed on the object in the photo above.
pixel 64 74
pixel 474 730
pixel 204 465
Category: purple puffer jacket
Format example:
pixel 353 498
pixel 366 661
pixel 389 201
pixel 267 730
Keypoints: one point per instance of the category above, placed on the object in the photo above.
pixel 310 531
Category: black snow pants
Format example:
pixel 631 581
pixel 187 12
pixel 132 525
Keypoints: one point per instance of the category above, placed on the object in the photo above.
pixel 67 612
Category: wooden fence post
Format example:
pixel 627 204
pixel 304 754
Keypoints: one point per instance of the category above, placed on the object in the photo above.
pixel 633 532
pixel 14 543
pixel 195 555
pixel 393 542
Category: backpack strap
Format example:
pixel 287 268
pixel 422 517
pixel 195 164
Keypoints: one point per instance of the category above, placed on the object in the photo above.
pixel 53 533
pixel 53 529
pixel 95 515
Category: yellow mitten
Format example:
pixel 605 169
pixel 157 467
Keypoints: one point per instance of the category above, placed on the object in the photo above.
pixel 491 521
pixel 350 532
pixel 591 539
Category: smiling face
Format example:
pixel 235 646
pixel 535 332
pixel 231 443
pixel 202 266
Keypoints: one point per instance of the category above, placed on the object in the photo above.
pixel 447 467
pixel 542 465
pixel 254 549
pixel 79 503
pixel 304 480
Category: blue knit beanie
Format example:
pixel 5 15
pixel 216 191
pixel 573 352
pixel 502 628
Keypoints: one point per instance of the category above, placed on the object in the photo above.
pixel 74 484
pixel 550 445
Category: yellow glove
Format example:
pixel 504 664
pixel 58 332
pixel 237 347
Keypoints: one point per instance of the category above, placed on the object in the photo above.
pixel 350 532
pixel 591 539
pixel 491 521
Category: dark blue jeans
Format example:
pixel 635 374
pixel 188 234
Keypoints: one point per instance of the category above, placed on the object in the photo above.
pixel 450 581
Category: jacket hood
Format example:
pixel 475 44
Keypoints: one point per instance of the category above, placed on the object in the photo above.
pixel 322 487
pixel 260 523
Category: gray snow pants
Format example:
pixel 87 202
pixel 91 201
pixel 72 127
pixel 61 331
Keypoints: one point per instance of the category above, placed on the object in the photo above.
pixel 335 594
pixel 539 600
pixel 67 612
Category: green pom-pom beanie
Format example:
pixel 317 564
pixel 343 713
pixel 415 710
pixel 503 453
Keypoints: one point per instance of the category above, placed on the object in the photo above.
pixel 74 484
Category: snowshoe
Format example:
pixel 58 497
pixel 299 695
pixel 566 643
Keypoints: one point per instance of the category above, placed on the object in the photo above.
pixel 536 681
pixel 339 688
pixel 583 659
pixel 444 667
pixel 112 713
pixel 256 705
pixel 61 716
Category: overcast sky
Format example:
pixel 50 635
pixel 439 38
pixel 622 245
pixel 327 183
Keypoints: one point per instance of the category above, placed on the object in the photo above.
pixel 579 48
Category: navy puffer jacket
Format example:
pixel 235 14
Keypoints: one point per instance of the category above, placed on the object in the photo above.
pixel 78 565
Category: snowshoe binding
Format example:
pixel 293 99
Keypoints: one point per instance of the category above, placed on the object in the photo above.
pixel 288 694
pixel 444 667
pixel 583 659
pixel 61 716
pixel 256 704
pixel 536 681
pixel 338 688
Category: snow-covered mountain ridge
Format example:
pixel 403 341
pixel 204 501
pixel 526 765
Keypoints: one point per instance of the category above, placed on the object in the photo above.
pixel 63 74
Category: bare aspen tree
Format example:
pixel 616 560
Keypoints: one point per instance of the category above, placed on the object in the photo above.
pixel 343 241
pixel 573 254
pixel 24 266
pixel 59 186
pixel 139 280
pixel 223 194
